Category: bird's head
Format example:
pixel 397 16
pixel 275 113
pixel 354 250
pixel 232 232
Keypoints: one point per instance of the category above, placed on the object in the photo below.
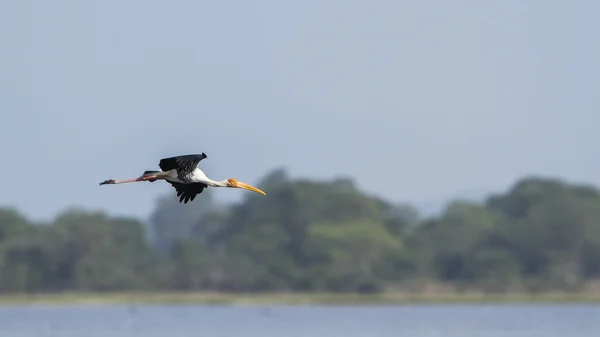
pixel 231 182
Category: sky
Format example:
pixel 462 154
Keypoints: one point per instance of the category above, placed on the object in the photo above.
pixel 417 101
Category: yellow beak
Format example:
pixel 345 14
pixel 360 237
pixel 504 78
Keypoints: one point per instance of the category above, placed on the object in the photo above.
pixel 249 188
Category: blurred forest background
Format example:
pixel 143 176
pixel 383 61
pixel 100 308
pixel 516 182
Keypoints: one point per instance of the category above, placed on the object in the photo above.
pixel 539 235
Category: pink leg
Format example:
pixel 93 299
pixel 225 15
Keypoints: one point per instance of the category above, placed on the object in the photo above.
pixel 142 178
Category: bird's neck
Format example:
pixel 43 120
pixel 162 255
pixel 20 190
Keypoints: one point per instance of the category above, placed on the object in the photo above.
pixel 215 183
pixel 199 176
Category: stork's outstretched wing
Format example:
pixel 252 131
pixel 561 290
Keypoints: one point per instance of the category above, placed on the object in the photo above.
pixel 185 163
pixel 187 192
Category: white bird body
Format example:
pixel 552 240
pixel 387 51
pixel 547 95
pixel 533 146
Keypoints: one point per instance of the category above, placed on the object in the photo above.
pixel 171 175
pixel 183 174
pixel 196 176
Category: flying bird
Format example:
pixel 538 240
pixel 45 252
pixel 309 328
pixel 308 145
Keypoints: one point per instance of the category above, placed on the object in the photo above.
pixel 183 174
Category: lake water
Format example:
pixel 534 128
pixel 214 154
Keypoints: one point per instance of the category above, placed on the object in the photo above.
pixel 302 321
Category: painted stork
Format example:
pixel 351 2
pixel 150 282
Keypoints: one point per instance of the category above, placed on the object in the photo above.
pixel 183 174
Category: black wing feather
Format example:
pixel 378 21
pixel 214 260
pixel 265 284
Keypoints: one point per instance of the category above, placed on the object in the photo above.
pixel 183 163
pixel 187 192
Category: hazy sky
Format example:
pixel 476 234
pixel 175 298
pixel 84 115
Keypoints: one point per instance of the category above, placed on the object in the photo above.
pixel 416 100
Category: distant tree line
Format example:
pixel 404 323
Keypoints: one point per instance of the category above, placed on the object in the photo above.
pixel 306 235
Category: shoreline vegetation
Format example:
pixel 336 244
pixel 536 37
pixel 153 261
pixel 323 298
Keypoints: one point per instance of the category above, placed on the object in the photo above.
pixel 287 299
pixel 313 242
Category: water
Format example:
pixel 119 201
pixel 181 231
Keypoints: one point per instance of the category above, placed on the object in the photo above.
pixel 302 321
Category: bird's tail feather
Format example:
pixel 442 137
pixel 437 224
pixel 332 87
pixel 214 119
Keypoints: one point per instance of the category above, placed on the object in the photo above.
pixel 150 173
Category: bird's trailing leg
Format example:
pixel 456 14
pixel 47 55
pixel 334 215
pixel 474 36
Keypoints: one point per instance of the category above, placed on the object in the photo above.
pixel 150 176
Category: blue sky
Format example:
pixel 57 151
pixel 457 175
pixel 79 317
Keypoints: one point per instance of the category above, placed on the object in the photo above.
pixel 418 101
